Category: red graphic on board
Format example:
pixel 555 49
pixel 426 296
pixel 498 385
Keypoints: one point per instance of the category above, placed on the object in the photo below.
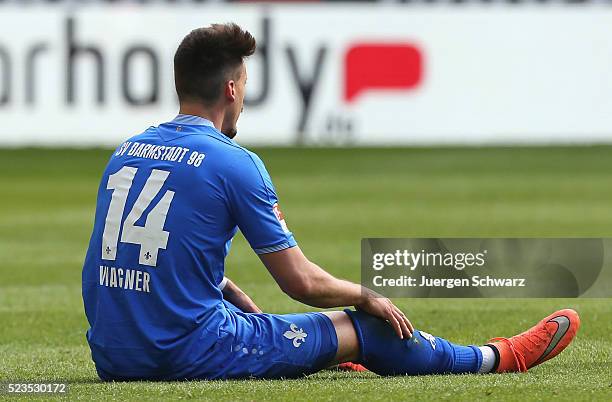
pixel 381 66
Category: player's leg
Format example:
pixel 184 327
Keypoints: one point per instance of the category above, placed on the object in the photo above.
pixel 345 329
pixel 373 343
pixel 293 345
pixel 348 344
pixel 348 349
pixel 379 349
pixel 271 346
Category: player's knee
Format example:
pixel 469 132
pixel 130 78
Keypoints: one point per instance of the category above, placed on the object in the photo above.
pixel 348 345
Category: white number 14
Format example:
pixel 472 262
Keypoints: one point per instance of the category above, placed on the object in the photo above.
pixel 152 236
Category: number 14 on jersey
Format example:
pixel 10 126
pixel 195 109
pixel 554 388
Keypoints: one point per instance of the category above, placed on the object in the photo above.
pixel 152 236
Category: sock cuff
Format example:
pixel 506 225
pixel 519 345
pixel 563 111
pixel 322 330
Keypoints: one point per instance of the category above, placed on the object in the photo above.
pixel 464 359
pixel 497 357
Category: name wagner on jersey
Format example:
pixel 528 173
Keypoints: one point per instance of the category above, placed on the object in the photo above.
pixel 124 278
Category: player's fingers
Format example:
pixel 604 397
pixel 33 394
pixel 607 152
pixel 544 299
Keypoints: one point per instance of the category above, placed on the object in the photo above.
pixel 394 323
pixel 404 320
pixel 405 331
pixel 403 323
pixel 407 321
pixel 410 325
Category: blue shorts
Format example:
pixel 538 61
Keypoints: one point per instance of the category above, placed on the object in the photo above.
pixel 258 346
pixel 272 346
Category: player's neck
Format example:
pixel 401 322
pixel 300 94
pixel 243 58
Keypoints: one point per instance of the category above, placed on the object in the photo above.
pixel 212 114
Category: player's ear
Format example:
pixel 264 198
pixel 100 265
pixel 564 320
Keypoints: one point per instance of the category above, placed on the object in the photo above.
pixel 230 90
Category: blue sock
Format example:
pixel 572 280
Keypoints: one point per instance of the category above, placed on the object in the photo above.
pixel 382 352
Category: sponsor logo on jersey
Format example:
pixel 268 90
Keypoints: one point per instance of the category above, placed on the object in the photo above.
pixel 281 218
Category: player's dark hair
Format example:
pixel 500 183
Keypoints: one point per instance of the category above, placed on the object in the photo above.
pixel 207 58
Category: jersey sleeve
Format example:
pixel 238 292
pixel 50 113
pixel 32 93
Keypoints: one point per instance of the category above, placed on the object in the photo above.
pixel 254 205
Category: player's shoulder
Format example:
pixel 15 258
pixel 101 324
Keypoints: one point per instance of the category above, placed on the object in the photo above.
pixel 239 165
pixel 229 152
pixel 253 158
pixel 246 159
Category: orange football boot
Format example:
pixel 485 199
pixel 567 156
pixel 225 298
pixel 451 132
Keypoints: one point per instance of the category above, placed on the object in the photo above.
pixel 543 341
pixel 349 366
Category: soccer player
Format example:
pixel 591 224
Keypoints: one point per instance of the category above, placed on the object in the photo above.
pixel 169 203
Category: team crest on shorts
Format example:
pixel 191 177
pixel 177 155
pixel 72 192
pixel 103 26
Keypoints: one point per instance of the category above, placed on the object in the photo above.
pixel 297 335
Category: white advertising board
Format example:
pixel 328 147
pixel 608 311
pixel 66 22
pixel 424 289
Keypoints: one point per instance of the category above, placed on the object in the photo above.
pixel 323 75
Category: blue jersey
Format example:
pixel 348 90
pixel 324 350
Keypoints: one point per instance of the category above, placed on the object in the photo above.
pixel 170 201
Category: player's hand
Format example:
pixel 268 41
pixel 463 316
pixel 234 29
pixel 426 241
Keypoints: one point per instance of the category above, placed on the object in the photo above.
pixel 238 298
pixel 244 303
pixel 384 308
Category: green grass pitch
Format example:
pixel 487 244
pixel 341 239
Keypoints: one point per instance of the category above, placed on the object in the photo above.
pixel 331 198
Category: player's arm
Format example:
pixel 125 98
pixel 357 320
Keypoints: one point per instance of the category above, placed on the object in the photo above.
pixel 235 295
pixel 253 203
pixel 308 283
